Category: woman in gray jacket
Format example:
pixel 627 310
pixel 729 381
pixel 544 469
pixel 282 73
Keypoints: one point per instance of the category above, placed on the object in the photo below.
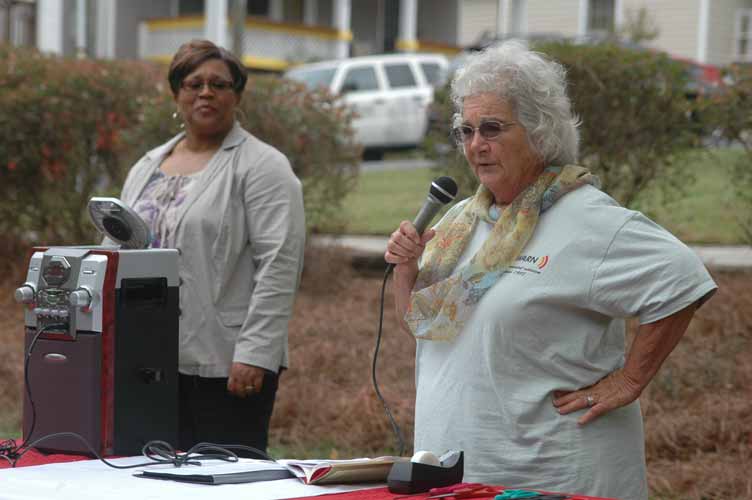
pixel 233 207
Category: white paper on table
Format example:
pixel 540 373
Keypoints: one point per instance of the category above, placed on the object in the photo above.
pixel 93 480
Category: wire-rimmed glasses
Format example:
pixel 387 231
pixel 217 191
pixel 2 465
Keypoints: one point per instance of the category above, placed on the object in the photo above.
pixel 489 130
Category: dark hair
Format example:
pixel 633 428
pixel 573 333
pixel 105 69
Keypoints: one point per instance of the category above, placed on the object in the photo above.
pixel 193 54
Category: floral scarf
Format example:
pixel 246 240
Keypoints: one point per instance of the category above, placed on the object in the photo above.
pixel 446 297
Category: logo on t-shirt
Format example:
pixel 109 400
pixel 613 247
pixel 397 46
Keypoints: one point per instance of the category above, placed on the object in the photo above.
pixel 530 264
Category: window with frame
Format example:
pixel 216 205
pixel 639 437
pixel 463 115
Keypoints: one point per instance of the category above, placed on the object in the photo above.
pixel 360 80
pixel 743 35
pixel 399 75
pixel 434 74
pixel 601 16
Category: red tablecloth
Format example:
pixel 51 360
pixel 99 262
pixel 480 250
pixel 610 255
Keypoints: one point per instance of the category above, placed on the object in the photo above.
pixel 33 457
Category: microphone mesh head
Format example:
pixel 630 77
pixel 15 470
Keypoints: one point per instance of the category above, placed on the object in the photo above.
pixel 444 189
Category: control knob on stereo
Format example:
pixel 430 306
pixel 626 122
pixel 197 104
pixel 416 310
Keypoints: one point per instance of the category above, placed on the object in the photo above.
pixel 25 294
pixel 80 297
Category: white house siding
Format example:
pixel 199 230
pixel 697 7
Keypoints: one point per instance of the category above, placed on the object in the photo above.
pixel 721 30
pixel 546 16
pixel 437 21
pixel 476 17
pixel 677 21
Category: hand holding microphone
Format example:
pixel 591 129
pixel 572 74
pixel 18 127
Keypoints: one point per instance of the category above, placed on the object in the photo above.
pixel 407 243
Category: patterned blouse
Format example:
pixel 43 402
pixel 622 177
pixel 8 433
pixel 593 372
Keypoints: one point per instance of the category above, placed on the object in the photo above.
pixel 159 205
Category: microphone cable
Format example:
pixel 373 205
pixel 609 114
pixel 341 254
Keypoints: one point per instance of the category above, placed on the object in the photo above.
pixel 392 421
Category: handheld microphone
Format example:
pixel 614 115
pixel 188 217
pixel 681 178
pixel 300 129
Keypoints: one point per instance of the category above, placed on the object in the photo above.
pixel 442 191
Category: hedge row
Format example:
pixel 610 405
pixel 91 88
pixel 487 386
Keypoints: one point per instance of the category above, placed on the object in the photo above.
pixel 72 128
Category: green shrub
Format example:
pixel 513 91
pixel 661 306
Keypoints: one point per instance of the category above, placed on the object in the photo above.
pixel 62 123
pixel 73 128
pixel 635 118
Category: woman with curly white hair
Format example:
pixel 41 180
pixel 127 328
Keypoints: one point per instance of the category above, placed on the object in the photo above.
pixel 518 297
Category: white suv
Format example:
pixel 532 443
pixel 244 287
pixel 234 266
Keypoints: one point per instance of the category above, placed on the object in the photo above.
pixel 390 93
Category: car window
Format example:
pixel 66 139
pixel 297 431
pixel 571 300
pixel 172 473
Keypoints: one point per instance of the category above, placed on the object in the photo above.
pixel 434 74
pixel 313 78
pixel 399 75
pixel 359 80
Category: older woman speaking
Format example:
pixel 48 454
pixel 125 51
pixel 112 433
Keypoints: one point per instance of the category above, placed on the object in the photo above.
pixel 518 297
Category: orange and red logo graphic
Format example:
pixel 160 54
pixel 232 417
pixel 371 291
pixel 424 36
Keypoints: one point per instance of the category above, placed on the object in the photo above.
pixel 539 262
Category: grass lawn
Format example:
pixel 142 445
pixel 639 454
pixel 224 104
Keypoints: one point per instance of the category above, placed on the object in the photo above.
pixel 707 213
pixel 382 199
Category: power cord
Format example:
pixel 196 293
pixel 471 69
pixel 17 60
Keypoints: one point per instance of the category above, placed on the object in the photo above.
pixel 9 450
pixel 158 452
pixel 395 427
pixel 161 452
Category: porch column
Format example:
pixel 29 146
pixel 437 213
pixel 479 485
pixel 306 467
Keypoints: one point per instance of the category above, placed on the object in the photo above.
pixel 703 28
pixel 50 26
pixel 80 28
pixel 342 12
pixel 408 22
pixel 277 10
pixel 503 17
pixel 618 15
pixel 106 26
pixel 582 19
pixel 518 16
pixel 215 22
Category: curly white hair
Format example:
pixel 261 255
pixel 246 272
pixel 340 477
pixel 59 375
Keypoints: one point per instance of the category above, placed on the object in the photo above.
pixel 536 89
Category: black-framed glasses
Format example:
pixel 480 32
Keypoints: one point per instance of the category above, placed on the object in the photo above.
pixel 490 129
pixel 194 87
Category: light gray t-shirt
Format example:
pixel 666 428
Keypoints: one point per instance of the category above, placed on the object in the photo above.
pixel 555 321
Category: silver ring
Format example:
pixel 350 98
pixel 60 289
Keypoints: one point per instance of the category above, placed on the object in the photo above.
pixel 589 399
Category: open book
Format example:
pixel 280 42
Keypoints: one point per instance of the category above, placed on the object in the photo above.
pixel 359 470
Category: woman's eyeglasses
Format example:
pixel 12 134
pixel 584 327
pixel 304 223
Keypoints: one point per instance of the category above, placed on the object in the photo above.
pixel 194 87
pixel 488 130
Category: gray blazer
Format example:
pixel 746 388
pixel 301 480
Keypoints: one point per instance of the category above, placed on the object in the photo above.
pixel 241 236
